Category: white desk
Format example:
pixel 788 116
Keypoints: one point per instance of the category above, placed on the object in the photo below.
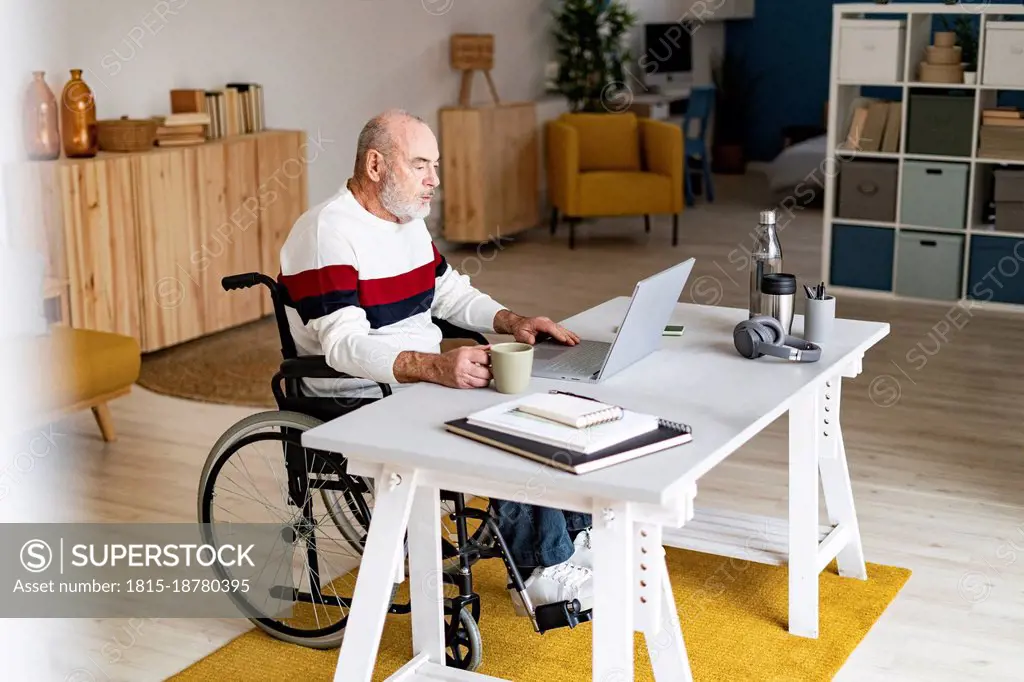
pixel 697 378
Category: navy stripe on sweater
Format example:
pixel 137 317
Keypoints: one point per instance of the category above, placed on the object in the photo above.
pixel 389 313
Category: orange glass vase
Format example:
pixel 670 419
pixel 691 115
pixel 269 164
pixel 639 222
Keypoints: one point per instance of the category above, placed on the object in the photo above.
pixel 42 137
pixel 78 118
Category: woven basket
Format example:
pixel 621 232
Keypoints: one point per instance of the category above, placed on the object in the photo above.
pixel 126 135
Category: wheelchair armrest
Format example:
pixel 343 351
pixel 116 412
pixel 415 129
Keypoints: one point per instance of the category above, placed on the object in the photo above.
pixel 451 331
pixel 310 367
pixel 316 367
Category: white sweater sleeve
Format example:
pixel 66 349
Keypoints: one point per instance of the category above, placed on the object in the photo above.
pixel 349 348
pixel 456 301
pixel 339 322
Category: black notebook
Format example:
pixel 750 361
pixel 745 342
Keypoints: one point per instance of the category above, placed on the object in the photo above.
pixel 667 435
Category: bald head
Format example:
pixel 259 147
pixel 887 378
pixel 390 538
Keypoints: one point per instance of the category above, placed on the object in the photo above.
pixel 385 134
pixel 396 162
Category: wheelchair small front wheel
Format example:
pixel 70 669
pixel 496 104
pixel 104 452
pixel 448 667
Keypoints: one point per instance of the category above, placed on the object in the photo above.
pixel 464 646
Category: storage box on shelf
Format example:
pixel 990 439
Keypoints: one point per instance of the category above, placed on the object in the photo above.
pixel 994 273
pixel 940 124
pixel 1004 54
pixel 871 50
pixel 867 191
pixel 862 256
pixel 928 265
pixel 934 195
pixel 1009 199
pixel 956 213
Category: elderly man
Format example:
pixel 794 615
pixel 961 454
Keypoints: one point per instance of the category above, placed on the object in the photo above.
pixel 363 280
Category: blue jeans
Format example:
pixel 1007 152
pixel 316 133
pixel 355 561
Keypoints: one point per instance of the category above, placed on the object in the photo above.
pixel 537 536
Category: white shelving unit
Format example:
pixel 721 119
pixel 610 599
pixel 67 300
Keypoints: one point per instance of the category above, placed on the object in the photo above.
pixel 843 95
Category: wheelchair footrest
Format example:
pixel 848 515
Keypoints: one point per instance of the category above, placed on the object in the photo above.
pixel 560 615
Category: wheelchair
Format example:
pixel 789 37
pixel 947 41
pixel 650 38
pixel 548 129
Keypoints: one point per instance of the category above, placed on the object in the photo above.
pixel 325 513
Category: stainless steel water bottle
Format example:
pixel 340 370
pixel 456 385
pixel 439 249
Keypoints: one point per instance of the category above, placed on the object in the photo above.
pixel 765 259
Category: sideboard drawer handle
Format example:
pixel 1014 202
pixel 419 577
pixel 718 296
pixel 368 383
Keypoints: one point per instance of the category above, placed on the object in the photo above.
pixel 933 171
pixel 929 242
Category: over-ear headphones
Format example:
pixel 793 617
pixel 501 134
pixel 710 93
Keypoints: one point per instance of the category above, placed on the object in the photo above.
pixel 764 335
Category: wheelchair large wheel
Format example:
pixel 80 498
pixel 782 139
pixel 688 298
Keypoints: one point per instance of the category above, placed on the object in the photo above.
pixel 258 472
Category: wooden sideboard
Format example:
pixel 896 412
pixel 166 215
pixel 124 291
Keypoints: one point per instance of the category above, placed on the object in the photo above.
pixel 489 161
pixel 143 239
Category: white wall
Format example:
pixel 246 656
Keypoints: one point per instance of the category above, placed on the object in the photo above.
pixel 326 65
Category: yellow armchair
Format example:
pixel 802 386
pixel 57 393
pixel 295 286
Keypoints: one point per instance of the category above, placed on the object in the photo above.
pixel 613 165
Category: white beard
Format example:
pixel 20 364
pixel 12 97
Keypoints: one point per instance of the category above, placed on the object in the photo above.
pixel 393 202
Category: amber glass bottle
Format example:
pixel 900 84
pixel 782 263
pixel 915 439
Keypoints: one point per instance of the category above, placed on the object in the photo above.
pixel 78 118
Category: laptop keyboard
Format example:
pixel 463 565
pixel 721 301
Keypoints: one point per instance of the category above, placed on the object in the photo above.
pixel 584 358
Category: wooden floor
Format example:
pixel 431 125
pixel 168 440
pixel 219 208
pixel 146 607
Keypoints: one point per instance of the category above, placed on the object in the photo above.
pixel 934 432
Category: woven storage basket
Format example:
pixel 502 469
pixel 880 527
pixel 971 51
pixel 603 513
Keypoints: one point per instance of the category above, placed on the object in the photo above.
pixel 943 55
pixel 126 135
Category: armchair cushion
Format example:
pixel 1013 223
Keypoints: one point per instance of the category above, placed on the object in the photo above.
pixel 84 364
pixel 607 142
pixel 607 193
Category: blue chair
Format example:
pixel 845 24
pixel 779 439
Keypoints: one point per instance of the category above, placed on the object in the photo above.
pixel 695 133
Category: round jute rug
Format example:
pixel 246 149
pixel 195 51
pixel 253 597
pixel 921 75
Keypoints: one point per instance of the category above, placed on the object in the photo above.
pixel 232 367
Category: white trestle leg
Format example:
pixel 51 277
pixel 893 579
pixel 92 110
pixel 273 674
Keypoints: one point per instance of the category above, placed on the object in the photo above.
pixel 804 424
pixel 383 553
pixel 835 483
pixel 612 540
pixel 425 583
pixel 656 613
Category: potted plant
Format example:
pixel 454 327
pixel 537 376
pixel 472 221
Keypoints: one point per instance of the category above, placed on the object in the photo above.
pixel 590 37
pixel 735 88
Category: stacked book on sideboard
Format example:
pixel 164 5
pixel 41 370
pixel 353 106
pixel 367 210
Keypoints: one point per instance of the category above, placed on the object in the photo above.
pixel 181 130
pixel 1002 134
pixel 235 109
pixel 568 432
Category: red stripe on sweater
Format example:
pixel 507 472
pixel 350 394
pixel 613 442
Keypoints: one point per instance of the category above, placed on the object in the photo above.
pixel 386 290
pixel 321 281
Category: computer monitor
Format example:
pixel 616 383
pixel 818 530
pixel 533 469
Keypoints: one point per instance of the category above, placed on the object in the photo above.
pixel 667 59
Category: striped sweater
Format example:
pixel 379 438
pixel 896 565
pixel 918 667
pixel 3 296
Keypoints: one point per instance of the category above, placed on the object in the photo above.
pixel 360 290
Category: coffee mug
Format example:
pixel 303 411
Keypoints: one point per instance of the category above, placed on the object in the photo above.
pixel 511 366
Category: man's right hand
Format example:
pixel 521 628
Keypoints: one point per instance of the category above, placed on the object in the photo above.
pixel 463 367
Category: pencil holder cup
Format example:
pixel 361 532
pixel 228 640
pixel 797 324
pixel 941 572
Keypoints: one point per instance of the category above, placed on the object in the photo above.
pixel 819 318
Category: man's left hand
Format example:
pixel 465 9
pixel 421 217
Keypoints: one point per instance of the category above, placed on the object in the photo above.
pixel 527 329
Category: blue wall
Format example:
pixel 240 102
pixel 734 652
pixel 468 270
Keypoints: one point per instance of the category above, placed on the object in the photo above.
pixel 790 43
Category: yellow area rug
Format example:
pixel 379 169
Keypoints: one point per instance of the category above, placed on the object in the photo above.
pixel 733 616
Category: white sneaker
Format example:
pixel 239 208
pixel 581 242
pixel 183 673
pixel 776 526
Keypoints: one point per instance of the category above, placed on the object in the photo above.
pixel 584 555
pixel 563 582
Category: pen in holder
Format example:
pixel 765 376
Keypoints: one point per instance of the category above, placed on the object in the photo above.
pixel 819 317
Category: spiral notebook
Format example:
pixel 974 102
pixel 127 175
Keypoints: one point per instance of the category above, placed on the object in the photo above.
pixel 522 417
pixel 570 410
pixel 666 435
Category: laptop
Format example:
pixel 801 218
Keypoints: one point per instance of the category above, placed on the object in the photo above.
pixel 650 309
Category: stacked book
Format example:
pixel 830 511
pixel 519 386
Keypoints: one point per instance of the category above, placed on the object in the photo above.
pixel 875 127
pixel 179 130
pixel 571 433
pixel 1002 133
pixel 235 109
